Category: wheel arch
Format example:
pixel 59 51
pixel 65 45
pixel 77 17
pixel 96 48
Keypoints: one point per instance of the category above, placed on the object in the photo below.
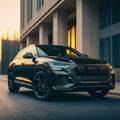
pixel 9 70
pixel 39 68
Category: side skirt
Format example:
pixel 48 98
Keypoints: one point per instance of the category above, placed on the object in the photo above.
pixel 23 82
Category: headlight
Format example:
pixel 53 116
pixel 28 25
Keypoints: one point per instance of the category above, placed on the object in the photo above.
pixel 57 66
pixel 111 68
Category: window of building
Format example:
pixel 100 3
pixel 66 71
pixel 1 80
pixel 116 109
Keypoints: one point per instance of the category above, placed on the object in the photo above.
pixel 105 13
pixel 40 3
pixel 72 37
pixel 72 33
pixel 105 49
pixel 22 13
pixel 110 50
pixel 116 51
pixel 50 39
pixel 29 10
pixel 115 11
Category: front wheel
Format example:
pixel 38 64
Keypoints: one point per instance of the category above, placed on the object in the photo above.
pixel 98 93
pixel 40 87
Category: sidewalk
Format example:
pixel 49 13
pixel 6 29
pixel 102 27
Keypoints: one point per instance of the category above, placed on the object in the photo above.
pixel 116 91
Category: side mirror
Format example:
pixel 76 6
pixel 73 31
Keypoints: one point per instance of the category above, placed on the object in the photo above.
pixel 28 55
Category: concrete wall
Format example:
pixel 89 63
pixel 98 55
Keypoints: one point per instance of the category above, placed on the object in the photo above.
pixel 87 14
pixel 38 16
pixel 43 33
pixel 88 27
pixel 60 28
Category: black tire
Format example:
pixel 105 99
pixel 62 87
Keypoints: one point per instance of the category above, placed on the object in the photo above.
pixel 12 87
pixel 40 86
pixel 98 93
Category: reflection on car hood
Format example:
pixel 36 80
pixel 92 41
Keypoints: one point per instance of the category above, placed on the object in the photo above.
pixel 77 60
pixel 88 61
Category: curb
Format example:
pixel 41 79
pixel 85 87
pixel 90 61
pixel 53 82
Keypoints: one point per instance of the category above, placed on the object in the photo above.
pixel 114 93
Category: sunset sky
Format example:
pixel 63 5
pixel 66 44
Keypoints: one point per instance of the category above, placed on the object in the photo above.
pixel 9 18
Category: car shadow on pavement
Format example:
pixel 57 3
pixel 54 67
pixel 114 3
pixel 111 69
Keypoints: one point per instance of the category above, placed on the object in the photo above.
pixel 65 97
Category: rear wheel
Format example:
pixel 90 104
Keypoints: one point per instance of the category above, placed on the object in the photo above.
pixel 98 93
pixel 12 87
pixel 40 87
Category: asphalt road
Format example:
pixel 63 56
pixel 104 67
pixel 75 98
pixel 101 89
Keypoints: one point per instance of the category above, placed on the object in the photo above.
pixel 72 106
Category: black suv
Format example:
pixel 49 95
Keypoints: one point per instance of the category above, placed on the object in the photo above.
pixel 50 68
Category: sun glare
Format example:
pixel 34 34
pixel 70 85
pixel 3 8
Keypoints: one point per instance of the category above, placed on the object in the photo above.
pixel 10 19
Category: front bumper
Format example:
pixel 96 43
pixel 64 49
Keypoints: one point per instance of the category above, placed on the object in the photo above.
pixel 69 83
pixel 66 80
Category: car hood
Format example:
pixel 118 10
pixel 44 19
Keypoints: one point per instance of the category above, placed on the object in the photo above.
pixel 77 60
pixel 87 61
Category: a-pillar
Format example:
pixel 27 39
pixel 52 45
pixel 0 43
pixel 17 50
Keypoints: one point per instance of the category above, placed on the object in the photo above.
pixel 43 33
pixel 87 27
pixel 60 28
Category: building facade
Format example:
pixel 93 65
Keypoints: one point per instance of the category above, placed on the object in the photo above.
pixel 90 26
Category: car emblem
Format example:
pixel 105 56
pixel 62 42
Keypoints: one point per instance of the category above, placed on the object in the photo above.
pixel 81 68
pixel 93 68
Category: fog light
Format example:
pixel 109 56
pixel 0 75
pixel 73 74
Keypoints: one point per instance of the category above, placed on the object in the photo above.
pixel 63 82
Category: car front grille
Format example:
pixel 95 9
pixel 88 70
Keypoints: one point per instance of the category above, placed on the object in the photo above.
pixel 92 72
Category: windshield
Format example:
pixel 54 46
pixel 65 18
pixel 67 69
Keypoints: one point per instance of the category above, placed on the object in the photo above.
pixel 52 50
